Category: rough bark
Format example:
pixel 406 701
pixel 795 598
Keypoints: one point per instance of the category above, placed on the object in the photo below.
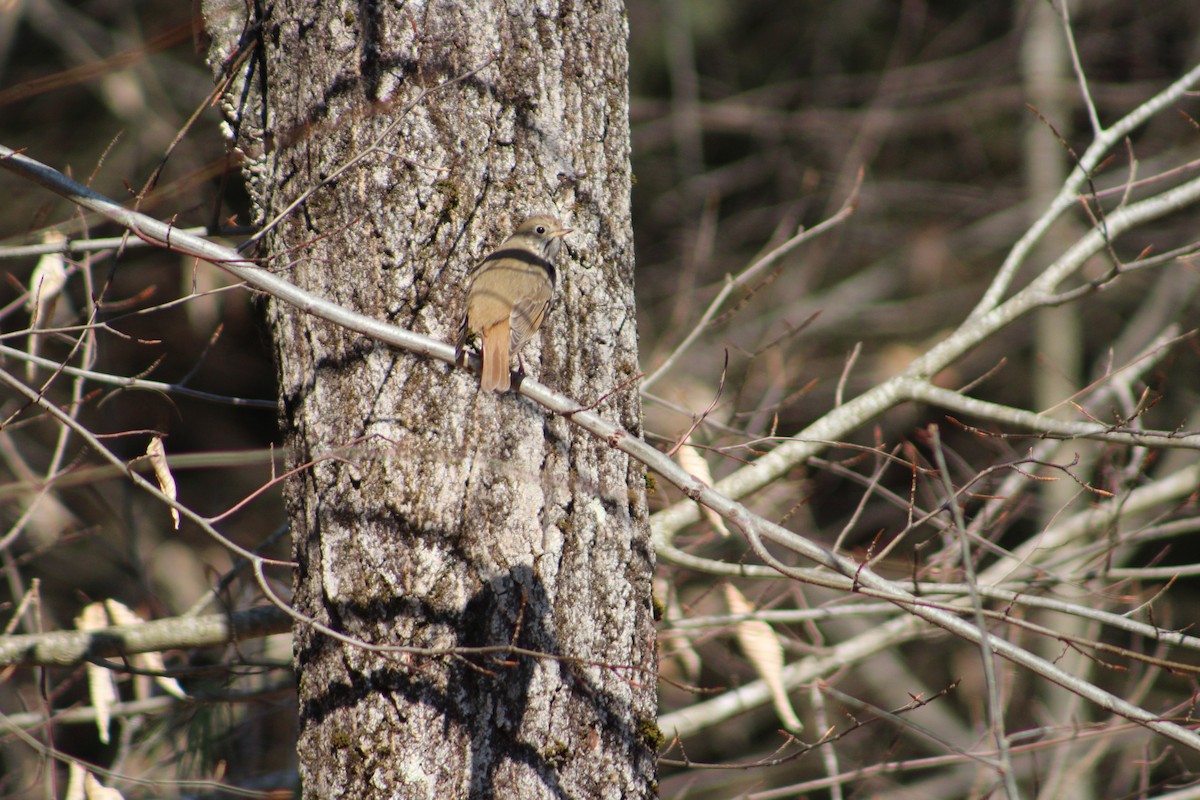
pixel 455 518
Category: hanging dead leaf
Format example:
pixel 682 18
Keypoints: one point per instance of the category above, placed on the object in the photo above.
pixel 762 648
pixel 162 471
pixel 102 687
pixel 690 459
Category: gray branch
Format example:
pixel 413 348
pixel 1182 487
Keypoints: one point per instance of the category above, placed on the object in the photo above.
pixel 69 648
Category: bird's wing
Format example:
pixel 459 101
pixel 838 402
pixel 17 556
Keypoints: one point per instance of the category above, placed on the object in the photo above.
pixel 526 318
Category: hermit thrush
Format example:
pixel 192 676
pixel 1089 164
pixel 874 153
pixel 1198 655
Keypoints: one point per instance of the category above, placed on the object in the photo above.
pixel 508 295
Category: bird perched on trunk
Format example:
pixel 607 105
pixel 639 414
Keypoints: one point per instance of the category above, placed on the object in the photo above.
pixel 508 295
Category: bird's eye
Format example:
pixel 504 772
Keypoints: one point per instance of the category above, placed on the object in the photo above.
pixel 541 230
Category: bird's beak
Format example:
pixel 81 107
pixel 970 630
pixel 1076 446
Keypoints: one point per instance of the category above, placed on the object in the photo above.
pixel 563 232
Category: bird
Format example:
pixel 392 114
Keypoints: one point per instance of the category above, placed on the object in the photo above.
pixel 508 295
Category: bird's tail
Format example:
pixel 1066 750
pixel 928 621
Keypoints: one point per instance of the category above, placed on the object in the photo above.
pixel 495 358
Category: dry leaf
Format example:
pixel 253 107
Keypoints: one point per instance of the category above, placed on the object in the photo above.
pixel 47 281
pixel 762 647
pixel 75 782
pixel 166 481
pixel 677 645
pixel 102 687
pixel 690 459
pixel 94 791
pixel 121 614
pixel 45 285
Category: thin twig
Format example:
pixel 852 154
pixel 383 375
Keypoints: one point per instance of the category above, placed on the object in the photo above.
pixel 748 274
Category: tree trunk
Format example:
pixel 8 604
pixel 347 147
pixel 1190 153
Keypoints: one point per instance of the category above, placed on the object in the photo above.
pixel 430 515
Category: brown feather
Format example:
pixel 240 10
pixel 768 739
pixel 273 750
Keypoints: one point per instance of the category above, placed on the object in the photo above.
pixel 495 374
